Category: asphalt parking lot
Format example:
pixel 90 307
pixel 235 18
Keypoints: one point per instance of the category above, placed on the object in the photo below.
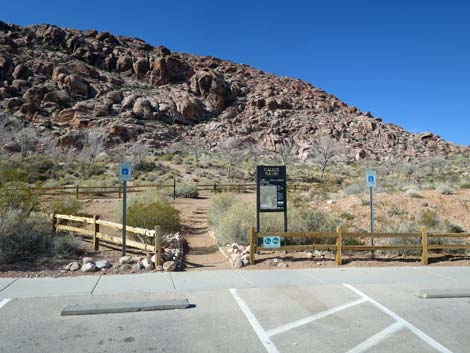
pixel 358 310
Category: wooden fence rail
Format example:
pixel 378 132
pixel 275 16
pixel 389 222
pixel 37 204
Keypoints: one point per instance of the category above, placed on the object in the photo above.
pixel 421 237
pixel 97 235
pixel 77 190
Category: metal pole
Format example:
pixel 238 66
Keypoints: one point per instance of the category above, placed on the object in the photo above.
pixel 124 220
pixel 372 217
pixel 174 189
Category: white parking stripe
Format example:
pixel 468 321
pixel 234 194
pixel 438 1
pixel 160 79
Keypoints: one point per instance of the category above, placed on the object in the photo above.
pixel 377 338
pixel 259 330
pixel 312 318
pixel 3 302
pixel 405 323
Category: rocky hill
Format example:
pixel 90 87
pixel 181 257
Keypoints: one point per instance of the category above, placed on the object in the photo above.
pixel 65 83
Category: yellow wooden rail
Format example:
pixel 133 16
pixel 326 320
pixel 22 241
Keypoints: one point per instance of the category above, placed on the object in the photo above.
pixel 422 238
pixel 97 235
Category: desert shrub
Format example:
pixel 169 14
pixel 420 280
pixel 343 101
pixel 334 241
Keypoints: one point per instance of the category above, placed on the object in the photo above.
pixel 445 189
pixel 178 159
pixel 414 193
pixel 311 220
pixel 18 196
pixel 189 191
pixel 347 216
pixel 454 228
pixel 429 219
pixel 220 203
pixel 464 184
pixel 66 246
pixel 144 165
pixel 365 202
pixel 166 157
pixel 23 234
pixel 68 206
pixel 353 189
pixel 234 224
pixel 148 212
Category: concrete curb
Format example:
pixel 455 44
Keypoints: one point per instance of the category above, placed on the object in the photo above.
pixel 443 293
pixel 128 307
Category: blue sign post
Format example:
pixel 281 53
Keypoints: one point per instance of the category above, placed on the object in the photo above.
pixel 371 182
pixel 125 174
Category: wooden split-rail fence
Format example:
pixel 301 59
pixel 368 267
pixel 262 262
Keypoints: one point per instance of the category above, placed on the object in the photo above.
pixel 422 238
pixel 97 234
pixel 80 192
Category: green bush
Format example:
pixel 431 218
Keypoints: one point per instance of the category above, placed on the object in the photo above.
pixel 346 216
pixel 311 220
pixel 445 189
pixel 234 224
pixel 68 206
pixel 429 219
pixel 23 234
pixel 454 228
pixel 145 213
pixel 189 191
pixel 414 193
pixel 18 196
pixel 66 246
pixel 220 203
pixel 231 219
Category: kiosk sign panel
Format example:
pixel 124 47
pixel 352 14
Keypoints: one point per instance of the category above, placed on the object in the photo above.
pixel 271 191
pixel 271 188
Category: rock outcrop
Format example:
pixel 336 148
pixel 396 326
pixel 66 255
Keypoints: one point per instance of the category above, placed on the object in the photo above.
pixel 62 81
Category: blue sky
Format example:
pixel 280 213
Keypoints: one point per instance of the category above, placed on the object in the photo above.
pixel 407 62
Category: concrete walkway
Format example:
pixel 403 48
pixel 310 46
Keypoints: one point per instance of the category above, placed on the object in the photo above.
pixel 428 278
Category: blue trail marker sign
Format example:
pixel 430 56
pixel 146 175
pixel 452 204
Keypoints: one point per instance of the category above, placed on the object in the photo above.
pixel 371 182
pixel 125 175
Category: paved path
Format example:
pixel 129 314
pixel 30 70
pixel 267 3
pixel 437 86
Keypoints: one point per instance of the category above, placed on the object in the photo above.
pixel 349 310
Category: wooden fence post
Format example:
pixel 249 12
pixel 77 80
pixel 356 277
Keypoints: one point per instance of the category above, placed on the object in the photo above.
pixel 54 225
pixel 215 188
pixel 96 230
pixel 252 245
pixel 158 246
pixel 339 246
pixel 424 246
pixel 76 191
pixel 238 186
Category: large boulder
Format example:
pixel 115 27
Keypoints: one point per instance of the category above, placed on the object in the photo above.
pixel 124 63
pixel 169 69
pixel 76 85
pixel 141 66
pixel 212 87
pixel 21 72
pixel 191 109
pixel 143 109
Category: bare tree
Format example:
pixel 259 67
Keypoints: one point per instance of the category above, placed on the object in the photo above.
pixel 139 152
pixel 196 147
pixel 287 153
pixel 326 150
pixel 255 151
pixel 93 144
pixel 27 140
pixel 233 153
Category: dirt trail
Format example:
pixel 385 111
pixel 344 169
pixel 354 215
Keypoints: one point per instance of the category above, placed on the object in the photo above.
pixel 203 252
